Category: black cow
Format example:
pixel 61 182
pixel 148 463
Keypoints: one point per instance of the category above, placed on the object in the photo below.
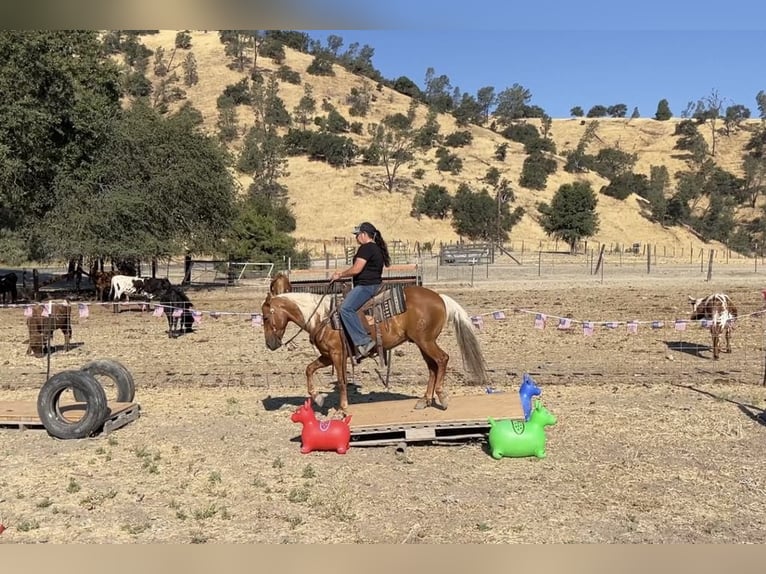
pixel 8 285
pixel 151 286
pixel 175 302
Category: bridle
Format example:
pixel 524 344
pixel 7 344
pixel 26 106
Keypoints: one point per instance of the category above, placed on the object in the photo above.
pixel 308 319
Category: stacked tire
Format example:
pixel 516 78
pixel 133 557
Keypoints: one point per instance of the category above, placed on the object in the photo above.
pixel 87 388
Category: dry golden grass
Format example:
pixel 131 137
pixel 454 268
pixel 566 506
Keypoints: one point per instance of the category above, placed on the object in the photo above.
pixel 327 202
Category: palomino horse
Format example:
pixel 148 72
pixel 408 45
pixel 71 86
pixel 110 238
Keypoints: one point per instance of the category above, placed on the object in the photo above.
pixel 426 314
pixel 280 284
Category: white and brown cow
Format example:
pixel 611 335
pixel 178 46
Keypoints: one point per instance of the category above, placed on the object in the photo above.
pixel 719 309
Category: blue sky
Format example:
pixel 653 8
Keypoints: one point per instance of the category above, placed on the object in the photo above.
pixel 568 54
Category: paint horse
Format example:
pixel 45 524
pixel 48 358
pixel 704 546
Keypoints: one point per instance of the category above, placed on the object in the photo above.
pixel 517 438
pixel 720 310
pixel 427 313
pixel 322 435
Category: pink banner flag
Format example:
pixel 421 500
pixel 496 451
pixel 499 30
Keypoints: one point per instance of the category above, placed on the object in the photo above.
pixel 498 315
pixel 632 327
pixel 46 310
pixel 256 319
pixel 178 312
pixel 657 324
pixel 214 314
pixel 197 316
pixel 587 329
pixel 680 325
pixel 539 321
pixel 611 324
pixel 564 323
pixel 478 322
pixel 158 311
pixel 27 310
pixel 83 310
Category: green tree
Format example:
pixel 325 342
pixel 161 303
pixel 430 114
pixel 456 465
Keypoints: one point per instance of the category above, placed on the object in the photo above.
pixel 394 139
pixel 571 215
pixel 597 111
pixel 512 104
pixel 760 100
pixel 479 216
pixel 635 113
pixel 433 201
pixel 576 112
pixel 306 106
pixel 191 76
pixel 183 40
pixel 486 98
pixel 61 97
pixel 735 115
pixel 241 47
pixel 159 186
pixel 663 112
pixel 535 171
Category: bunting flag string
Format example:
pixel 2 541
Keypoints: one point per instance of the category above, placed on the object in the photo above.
pixel 540 319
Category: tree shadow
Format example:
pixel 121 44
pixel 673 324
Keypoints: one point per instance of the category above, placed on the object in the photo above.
pixel 752 412
pixel 694 349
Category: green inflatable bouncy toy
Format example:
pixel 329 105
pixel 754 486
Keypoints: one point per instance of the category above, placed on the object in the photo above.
pixel 517 439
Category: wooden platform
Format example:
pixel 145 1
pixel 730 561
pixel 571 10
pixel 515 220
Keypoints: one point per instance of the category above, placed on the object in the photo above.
pixel 23 414
pixel 396 422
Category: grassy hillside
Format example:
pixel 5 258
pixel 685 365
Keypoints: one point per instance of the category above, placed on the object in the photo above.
pixel 327 202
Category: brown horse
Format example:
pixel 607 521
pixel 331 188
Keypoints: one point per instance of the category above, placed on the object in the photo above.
pixel 280 284
pixel 427 312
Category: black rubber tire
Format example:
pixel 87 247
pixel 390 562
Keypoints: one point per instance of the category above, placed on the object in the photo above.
pixel 50 414
pixel 123 380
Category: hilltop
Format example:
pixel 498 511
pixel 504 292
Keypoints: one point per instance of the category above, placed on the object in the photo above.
pixel 328 201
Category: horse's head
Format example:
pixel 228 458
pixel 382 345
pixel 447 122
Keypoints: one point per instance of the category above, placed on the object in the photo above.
pixel 304 414
pixel 280 284
pixel 541 416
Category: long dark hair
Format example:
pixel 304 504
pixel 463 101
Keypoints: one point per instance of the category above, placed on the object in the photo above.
pixel 380 242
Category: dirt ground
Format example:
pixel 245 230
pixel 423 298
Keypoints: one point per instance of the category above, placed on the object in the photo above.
pixel 655 442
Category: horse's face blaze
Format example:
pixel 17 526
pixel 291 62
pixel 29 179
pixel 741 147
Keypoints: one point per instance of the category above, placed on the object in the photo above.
pixel 274 325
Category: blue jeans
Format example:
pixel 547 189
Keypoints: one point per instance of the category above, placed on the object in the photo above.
pixel 357 297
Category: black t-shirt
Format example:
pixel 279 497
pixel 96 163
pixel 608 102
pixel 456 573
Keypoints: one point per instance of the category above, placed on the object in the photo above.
pixel 372 273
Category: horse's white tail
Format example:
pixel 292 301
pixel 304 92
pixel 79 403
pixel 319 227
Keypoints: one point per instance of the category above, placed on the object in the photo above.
pixel 473 361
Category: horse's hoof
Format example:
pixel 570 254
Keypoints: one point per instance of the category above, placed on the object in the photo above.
pixel 319 399
pixel 443 400
pixel 421 404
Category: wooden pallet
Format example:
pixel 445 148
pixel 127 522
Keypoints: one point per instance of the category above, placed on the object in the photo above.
pixel 23 414
pixel 397 422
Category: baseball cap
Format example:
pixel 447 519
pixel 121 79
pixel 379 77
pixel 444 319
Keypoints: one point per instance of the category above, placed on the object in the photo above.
pixel 365 227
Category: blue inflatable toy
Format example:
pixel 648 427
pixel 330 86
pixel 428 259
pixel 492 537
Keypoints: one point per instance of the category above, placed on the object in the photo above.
pixel 528 390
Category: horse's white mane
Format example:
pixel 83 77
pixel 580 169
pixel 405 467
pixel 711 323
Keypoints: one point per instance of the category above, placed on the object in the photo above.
pixel 313 307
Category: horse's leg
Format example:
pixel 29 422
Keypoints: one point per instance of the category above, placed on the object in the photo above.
pixel 437 360
pixel 428 397
pixel 316 364
pixel 339 362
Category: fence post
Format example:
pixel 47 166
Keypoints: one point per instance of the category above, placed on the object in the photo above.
pixel 710 265
pixel 539 262
pixel 648 260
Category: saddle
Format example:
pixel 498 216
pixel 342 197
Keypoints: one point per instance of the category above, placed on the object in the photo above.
pixel 385 304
